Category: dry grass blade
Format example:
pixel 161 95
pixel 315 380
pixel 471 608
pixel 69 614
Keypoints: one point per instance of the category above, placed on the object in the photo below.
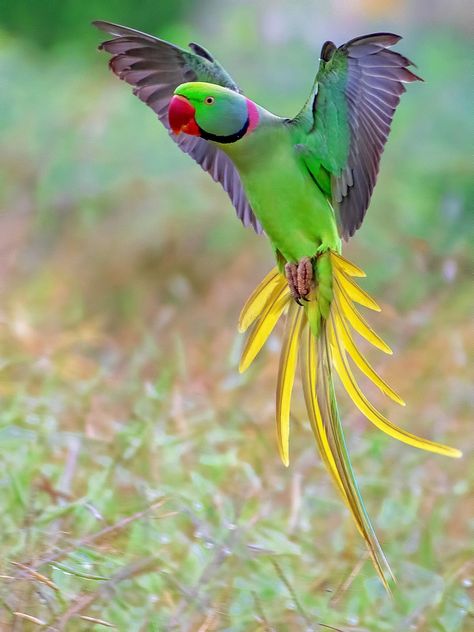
pixel 346 584
pixel 28 617
pixel 106 624
pixel 35 575
pixel 128 572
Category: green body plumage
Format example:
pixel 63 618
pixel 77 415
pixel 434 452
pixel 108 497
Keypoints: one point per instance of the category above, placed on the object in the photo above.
pixel 295 214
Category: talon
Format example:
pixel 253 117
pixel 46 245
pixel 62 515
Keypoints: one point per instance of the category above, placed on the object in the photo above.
pixel 300 279
pixel 304 277
pixel 291 273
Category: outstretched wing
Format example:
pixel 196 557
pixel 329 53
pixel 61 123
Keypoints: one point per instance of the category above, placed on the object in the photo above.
pixel 156 68
pixel 348 116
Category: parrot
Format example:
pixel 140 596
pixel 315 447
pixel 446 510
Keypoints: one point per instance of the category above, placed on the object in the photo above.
pixel 305 183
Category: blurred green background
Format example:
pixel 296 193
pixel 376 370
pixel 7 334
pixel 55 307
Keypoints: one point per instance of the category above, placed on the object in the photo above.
pixel 140 483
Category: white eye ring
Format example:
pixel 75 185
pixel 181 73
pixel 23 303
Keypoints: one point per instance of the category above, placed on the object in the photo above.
pixel 209 100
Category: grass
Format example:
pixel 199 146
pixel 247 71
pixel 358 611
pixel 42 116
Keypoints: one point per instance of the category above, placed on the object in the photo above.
pixel 139 478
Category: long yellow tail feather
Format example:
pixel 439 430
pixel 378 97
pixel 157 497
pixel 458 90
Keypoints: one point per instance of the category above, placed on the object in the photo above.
pixel 324 434
pixel 358 358
pixel 368 410
pixel 286 378
pixel 308 378
pixel 332 422
pixel 274 307
pixel 346 266
pixel 355 293
pixel 322 339
pixel 355 319
pixel 257 301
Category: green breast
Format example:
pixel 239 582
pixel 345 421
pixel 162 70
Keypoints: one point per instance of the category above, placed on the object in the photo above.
pixel 293 211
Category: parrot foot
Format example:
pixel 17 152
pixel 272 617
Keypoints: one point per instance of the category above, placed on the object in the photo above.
pixel 300 279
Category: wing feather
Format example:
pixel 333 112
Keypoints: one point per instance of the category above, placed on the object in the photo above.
pixel 363 81
pixel 155 68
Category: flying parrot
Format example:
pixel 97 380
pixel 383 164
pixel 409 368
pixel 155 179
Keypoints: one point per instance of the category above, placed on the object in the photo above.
pixel 305 183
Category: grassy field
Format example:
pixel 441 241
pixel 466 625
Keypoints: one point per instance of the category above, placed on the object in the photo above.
pixel 140 484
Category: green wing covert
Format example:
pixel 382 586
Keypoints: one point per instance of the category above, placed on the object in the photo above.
pixel 347 119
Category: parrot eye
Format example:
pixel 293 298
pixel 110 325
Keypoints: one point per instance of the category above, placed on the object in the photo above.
pixel 209 100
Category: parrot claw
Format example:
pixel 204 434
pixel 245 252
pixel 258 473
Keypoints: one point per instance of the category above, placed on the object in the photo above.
pixel 300 279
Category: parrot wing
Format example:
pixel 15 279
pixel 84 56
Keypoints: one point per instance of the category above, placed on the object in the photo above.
pixel 156 68
pixel 347 120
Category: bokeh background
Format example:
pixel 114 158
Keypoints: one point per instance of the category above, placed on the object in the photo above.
pixel 140 484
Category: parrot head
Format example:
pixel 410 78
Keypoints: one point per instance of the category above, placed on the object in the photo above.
pixel 211 112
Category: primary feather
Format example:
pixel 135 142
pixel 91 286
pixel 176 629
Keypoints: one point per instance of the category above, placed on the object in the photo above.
pixel 358 85
pixel 156 68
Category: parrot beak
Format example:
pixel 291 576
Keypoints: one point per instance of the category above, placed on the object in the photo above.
pixel 181 116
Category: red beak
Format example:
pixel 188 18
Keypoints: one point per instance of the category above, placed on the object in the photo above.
pixel 181 116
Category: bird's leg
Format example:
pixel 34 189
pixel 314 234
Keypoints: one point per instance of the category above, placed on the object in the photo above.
pixel 305 277
pixel 291 272
pixel 300 279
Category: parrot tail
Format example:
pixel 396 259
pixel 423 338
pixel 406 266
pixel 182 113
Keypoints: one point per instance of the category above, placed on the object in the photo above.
pixel 320 332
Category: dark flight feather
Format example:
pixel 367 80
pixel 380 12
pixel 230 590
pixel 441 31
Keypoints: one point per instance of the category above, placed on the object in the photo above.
pixel 155 68
pixel 370 79
pixel 374 86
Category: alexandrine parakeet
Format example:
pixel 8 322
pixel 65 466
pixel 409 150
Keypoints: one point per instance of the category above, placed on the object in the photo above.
pixel 305 183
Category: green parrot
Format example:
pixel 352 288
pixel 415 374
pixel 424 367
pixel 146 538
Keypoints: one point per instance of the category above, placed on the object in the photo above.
pixel 305 183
